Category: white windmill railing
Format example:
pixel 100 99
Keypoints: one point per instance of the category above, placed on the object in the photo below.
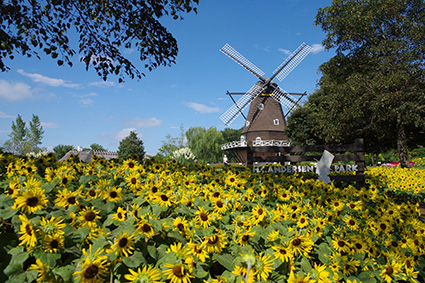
pixel 257 143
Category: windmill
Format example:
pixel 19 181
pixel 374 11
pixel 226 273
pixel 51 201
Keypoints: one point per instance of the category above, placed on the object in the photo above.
pixel 266 122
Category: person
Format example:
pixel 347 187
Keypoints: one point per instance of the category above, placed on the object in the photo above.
pixel 225 160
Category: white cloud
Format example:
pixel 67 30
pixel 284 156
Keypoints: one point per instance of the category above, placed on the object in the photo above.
pixel 102 84
pixel 285 51
pixel 4 115
pixel 14 91
pixel 84 99
pixel 125 133
pixel 151 122
pixel 201 108
pixel 38 78
pixel 317 48
pixel 50 125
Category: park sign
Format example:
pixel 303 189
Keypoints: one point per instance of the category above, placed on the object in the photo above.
pixel 346 154
pixel 302 168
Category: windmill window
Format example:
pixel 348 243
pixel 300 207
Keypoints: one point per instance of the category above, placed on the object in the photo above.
pixel 258 139
pixel 260 106
pixel 247 123
pixel 243 138
pixel 276 122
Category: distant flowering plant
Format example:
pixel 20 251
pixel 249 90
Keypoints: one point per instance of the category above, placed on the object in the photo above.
pixel 187 223
pixel 183 154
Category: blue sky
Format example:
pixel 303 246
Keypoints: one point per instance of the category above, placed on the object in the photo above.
pixel 78 108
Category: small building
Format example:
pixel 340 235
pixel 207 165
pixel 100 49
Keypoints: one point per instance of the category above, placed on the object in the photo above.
pixel 87 155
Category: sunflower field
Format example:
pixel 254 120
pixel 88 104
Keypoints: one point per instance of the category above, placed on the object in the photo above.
pixel 110 221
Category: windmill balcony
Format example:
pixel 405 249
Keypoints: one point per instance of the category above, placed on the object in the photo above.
pixel 235 144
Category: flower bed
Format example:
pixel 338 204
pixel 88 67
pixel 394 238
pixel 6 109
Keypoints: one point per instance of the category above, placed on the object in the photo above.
pixel 166 222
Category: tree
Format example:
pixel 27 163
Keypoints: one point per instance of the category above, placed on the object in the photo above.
pixel 230 135
pixel 35 134
pixel 104 29
pixel 130 147
pixel 23 140
pixel 60 150
pixel 170 145
pixel 205 144
pixel 97 147
pixel 375 84
pixel 17 137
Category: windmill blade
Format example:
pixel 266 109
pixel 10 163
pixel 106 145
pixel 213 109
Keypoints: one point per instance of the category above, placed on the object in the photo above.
pixel 292 61
pixel 287 100
pixel 241 60
pixel 237 108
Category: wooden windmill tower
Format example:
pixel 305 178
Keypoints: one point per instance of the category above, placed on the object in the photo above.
pixel 265 123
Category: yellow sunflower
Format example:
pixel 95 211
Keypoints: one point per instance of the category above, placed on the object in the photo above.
pixel 147 274
pixel 177 273
pixel 203 218
pixel 28 236
pixel 124 244
pixel 215 243
pixel 31 201
pixel 53 243
pixel 93 268
pixel 89 217
pixel 113 194
pixel 44 272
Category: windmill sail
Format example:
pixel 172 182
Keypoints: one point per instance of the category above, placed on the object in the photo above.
pixel 241 60
pixel 241 104
pixel 292 61
pixel 287 100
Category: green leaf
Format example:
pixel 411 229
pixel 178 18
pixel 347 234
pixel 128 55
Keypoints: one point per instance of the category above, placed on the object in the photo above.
pixel 13 269
pixel 136 260
pixel 153 252
pixel 99 244
pixel 65 272
pixel 81 234
pixel 324 251
pixel 225 260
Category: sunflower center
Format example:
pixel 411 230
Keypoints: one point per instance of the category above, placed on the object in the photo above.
pixel 54 244
pixel 91 271
pixel 32 201
pixel 65 181
pixel 146 228
pixel 389 270
pixel 89 216
pixel 119 215
pixel 341 243
pixel 178 271
pixel 154 189
pixel 245 238
pixel 302 220
pixel 10 191
pixel 296 242
pixel 71 200
pixel 260 211
pixel 204 216
pixel 92 193
pixel 231 180
pixel 164 198
pixel 212 240
pixel 282 251
pixel 130 165
pixel 383 226
pixel 180 226
pixel 113 194
pixel 352 222
pixel 358 246
pixel 216 194
pixel 133 181
pixel 394 244
pixel 28 229
pixel 219 203
pixel 123 242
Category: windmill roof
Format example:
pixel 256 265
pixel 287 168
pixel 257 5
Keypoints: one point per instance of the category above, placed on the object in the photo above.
pixel 87 155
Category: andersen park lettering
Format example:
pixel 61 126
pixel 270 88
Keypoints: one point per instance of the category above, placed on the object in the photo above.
pixel 302 168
